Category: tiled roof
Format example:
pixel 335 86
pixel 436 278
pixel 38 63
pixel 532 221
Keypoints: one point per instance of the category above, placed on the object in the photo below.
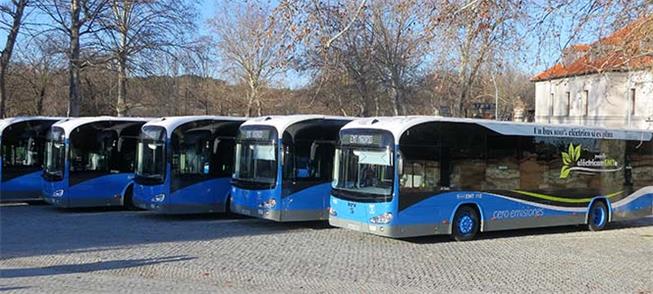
pixel 620 51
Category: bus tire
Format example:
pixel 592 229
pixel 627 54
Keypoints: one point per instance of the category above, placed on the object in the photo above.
pixel 128 198
pixel 466 223
pixel 227 204
pixel 597 216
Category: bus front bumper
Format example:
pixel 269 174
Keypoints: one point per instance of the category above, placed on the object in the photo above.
pixel 269 214
pixel 392 231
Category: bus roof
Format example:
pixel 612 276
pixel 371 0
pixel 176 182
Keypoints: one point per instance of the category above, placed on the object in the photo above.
pixel 69 124
pixel 399 124
pixel 4 123
pixel 170 123
pixel 282 122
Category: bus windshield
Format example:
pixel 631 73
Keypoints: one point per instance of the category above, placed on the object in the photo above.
pixel 363 172
pixel 55 155
pixel 256 159
pixel 150 156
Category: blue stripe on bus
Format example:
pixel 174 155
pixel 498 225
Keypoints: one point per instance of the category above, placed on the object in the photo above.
pixel 314 198
pixel 207 195
pixel 21 188
pixel 101 191
pixel 440 208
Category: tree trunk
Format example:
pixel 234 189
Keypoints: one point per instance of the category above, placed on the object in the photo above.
pixel 74 96
pixel 7 51
pixel 251 98
pixel 3 93
pixel 39 102
pixel 121 106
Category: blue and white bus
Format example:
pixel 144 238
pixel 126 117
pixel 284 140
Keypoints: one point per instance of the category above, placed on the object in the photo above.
pixel 413 176
pixel 22 140
pixel 184 164
pixel 89 161
pixel 284 165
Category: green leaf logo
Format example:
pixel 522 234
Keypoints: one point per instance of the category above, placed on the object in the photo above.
pixel 569 159
pixel 565 158
pixel 564 173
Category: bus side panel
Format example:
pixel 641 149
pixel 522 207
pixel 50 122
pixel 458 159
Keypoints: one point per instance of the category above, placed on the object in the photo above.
pixel 101 191
pixel 636 205
pixel 497 212
pixel 206 196
pixel 307 204
pixel 26 187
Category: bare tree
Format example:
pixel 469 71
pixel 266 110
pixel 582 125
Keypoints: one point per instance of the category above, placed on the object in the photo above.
pixel 349 52
pixel 12 17
pixel 137 29
pixel 482 32
pixel 40 62
pixel 404 32
pixel 74 19
pixel 252 42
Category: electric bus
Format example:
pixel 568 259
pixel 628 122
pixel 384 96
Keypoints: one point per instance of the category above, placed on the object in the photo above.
pixel 22 140
pixel 184 164
pixel 284 165
pixel 412 176
pixel 89 161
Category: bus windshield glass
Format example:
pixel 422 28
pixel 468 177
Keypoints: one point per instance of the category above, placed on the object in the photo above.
pixel 150 156
pixel 55 154
pixel 256 158
pixel 364 167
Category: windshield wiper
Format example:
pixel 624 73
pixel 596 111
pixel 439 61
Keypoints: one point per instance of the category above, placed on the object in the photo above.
pixel 150 176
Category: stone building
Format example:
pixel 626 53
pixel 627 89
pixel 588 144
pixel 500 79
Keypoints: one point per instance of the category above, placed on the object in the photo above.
pixel 607 83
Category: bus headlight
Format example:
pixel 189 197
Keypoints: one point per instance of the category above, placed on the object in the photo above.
pixel 332 212
pixel 159 197
pixel 382 219
pixel 57 193
pixel 269 204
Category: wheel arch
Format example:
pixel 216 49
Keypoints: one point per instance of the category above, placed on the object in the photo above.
pixel 129 188
pixel 605 201
pixel 473 205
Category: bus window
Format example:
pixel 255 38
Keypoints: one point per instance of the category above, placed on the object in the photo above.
pixel 224 157
pixel 256 158
pixel 308 160
pixel 420 171
pixel 463 153
pixel 640 163
pixel 22 145
pixel 503 166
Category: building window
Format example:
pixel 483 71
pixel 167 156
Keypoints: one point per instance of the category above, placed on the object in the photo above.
pixel 633 102
pixel 551 102
pixel 585 102
pixel 568 104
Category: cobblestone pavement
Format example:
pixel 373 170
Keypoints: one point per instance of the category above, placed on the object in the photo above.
pixel 43 249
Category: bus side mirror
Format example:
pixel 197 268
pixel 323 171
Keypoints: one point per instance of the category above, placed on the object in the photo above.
pixel 400 164
pixel 216 142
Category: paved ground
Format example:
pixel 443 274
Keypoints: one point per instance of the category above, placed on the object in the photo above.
pixel 43 249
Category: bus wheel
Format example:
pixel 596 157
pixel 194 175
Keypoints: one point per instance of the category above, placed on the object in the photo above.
pixel 466 223
pixel 598 216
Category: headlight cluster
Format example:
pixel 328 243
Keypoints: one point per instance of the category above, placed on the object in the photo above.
pixel 57 193
pixel 159 197
pixel 268 204
pixel 382 219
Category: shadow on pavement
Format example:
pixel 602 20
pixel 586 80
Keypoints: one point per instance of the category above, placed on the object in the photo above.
pixel 12 288
pixel 644 222
pixel 42 230
pixel 87 267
